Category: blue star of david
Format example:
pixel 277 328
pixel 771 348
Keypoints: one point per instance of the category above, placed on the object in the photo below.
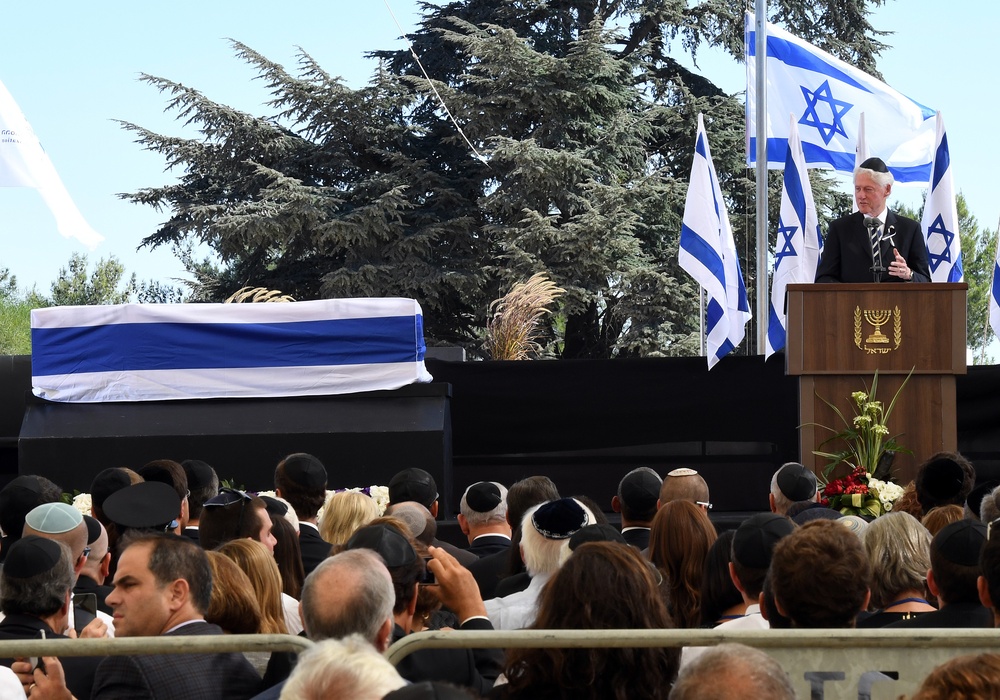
pixel 938 228
pixel 787 249
pixel 838 108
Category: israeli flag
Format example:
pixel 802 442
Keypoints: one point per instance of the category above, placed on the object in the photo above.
pixel 708 253
pixel 827 95
pixel 995 294
pixel 799 242
pixel 940 221
pixel 155 352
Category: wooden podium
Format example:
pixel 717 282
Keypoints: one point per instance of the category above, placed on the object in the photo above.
pixel 839 334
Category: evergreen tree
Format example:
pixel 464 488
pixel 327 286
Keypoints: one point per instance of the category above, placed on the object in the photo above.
pixel 551 136
pixel 76 287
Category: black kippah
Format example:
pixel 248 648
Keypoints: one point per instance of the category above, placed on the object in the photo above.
pixel 31 556
pixel 876 164
pixel 483 496
pixel 306 471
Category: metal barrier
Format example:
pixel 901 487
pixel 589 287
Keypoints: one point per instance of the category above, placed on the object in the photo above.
pixel 864 664
pixel 131 646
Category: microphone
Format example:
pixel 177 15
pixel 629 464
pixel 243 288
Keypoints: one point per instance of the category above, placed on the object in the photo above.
pixel 871 222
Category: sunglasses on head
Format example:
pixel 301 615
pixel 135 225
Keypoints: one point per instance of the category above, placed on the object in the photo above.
pixel 228 497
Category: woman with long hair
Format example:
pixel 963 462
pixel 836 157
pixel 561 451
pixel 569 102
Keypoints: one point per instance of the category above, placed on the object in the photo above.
pixel 602 586
pixel 259 566
pixel 679 539
pixel 721 601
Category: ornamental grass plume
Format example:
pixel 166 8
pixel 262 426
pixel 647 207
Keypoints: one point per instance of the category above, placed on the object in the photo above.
pixel 513 327
pixel 256 295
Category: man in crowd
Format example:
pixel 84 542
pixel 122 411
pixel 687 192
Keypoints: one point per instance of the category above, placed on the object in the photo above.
pixel 35 584
pixel 733 672
pixel 820 574
pixel 234 515
pixel 483 518
pixel 415 484
pixel 17 499
pixel 162 587
pixel 171 473
pixel 792 484
pixel 638 493
pixel 944 479
pixel 684 485
pixel 476 669
pixel 203 484
pixel 97 566
pixel 494 570
pixel 873 244
pixel 954 579
pixel 301 479
pixel 545 534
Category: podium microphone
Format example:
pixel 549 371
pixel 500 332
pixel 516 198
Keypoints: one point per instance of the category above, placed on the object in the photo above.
pixel 872 224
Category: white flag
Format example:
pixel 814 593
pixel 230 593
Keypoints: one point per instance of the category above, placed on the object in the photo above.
pixel 23 163
pixel 799 242
pixel 826 95
pixel 860 151
pixel 940 222
pixel 708 253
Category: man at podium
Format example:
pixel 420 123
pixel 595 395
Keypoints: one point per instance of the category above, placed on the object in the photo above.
pixel 873 244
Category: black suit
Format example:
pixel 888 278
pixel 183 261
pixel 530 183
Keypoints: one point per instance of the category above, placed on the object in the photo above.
pixel 951 616
pixel 484 545
pixel 314 548
pixel 847 251
pixel 175 676
pixel 638 537
pixel 470 668
pixel 79 670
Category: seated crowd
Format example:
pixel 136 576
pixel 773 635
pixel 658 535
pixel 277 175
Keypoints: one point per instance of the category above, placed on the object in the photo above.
pixel 166 551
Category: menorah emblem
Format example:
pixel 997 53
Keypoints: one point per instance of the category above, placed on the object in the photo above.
pixel 878 318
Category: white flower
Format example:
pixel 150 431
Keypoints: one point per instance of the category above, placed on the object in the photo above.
pixel 82 503
pixel 888 492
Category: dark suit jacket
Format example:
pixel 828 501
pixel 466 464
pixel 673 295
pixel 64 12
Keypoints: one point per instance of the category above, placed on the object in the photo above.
pixel 638 537
pixel 485 545
pixel 488 571
pixel 847 251
pixel 314 548
pixel 471 668
pixel 177 676
pixel 192 534
pixel 953 615
pixel 79 670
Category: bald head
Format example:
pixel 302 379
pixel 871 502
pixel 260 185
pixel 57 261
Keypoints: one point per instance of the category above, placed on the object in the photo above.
pixel 349 593
pixel 732 672
pixel 684 485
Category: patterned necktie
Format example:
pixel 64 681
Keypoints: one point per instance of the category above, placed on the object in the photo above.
pixel 876 240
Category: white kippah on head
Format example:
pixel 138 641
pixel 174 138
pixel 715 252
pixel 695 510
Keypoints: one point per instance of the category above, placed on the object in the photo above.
pixel 54 518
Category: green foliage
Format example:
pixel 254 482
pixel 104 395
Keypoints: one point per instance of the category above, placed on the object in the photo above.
pixel 569 154
pixel 76 287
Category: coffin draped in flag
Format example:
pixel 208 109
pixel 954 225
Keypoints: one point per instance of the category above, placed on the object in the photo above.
pixel 23 163
pixel 940 220
pixel 826 95
pixel 799 241
pixel 155 352
pixel 708 254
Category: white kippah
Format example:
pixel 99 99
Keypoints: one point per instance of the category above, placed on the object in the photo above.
pixel 683 471
pixel 54 518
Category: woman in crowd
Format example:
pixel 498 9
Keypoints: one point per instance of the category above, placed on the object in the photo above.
pixel 898 548
pixel 259 566
pixel 720 599
pixel 679 539
pixel 288 557
pixel 603 585
pixel 345 512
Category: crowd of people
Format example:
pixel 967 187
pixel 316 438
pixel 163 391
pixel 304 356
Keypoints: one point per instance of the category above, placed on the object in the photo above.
pixel 166 552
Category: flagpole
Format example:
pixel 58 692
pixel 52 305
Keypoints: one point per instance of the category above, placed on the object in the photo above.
pixel 760 38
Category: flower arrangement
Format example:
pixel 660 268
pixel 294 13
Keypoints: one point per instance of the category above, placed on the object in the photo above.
pixel 867 489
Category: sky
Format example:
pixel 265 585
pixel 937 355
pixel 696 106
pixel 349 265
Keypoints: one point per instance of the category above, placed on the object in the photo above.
pixel 74 77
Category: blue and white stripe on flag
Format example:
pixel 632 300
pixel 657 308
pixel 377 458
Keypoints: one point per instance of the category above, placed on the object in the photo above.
pixel 154 352
pixel 708 254
pixel 799 242
pixel 995 294
pixel 826 95
pixel 940 220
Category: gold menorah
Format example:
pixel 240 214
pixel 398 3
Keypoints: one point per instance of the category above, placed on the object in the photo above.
pixel 877 318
